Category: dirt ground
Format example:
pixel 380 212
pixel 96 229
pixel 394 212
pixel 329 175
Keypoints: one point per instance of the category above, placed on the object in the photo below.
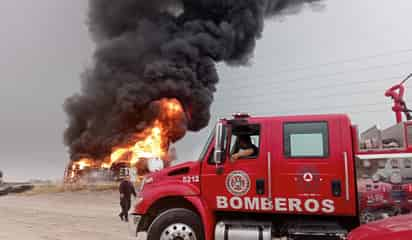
pixel 62 216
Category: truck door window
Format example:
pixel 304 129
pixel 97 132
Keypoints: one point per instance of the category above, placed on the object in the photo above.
pixel 245 142
pixel 306 140
pixel 211 158
pixel 206 147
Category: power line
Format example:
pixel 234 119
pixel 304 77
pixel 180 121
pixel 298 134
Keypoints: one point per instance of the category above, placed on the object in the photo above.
pixel 287 98
pixel 338 73
pixel 355 59
pixel 321 87
pixel 252 103
pixel 369 111
pixel 342 61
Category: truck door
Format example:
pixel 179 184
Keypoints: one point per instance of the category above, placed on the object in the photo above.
pixel 313 166
pixel 225 186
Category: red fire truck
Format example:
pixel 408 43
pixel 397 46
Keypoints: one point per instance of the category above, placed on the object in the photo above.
pixel 300 182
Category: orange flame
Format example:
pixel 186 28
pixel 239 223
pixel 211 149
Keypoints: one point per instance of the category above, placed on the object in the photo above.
pixel 83 163
pixel 151 146
pixel 106 165
pixel 172 107
pixel 153 141
pixel 117 154
pixel 78 165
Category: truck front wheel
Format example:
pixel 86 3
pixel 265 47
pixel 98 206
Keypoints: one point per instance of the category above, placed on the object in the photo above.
pixel 176 224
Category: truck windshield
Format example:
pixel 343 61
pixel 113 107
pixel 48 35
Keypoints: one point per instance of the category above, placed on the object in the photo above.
pixel 209 139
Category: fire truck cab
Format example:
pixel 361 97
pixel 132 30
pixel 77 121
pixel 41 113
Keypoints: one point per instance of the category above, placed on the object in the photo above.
pixel 299 184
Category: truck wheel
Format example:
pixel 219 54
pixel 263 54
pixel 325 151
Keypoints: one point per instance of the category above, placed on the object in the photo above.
pixel 176 224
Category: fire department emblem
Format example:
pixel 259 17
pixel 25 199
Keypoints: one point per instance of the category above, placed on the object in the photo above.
pixel 308 180
pixel 238 183
pixel 308 177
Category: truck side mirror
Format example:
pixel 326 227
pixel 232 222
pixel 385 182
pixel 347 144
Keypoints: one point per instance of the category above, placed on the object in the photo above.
pixel 220 142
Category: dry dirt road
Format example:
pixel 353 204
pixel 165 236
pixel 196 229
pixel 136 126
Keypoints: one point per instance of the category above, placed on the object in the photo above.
pixel 62 216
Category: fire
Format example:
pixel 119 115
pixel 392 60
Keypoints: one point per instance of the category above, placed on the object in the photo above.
pixel 152 146
pixel 106 165
pixel 78 166
pixel 117 154
pixel 83 163
pixel 153 142
pixel 173 107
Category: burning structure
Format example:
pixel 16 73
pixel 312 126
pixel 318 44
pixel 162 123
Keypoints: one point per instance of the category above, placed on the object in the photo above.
pixel 151 143
pixel 153 58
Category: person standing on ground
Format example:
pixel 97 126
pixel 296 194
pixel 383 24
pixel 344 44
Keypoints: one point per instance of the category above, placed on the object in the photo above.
pixel 126 190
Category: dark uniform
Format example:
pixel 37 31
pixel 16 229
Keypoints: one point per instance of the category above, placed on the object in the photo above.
pixel 126 190
pixel 246 144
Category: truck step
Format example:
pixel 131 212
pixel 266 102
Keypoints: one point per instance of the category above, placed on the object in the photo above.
pixel 315 231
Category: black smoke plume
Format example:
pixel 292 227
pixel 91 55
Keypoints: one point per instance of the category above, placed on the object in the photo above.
pixel 148 50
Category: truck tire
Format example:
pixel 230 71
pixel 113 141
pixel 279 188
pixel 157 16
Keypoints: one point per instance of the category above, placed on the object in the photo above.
pixel 176 224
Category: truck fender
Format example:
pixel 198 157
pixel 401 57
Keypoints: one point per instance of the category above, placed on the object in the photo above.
pixel 207 216
pixel 150 197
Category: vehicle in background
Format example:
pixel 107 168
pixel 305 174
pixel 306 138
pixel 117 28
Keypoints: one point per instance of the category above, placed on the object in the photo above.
pixel 6 188
pixel 394 228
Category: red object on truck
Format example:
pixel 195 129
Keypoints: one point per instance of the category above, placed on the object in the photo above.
pixel 306 177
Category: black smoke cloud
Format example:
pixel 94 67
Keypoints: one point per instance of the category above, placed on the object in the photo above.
pixel 148 50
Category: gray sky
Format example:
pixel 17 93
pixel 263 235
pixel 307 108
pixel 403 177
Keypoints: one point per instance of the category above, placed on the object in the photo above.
pixel 340 59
